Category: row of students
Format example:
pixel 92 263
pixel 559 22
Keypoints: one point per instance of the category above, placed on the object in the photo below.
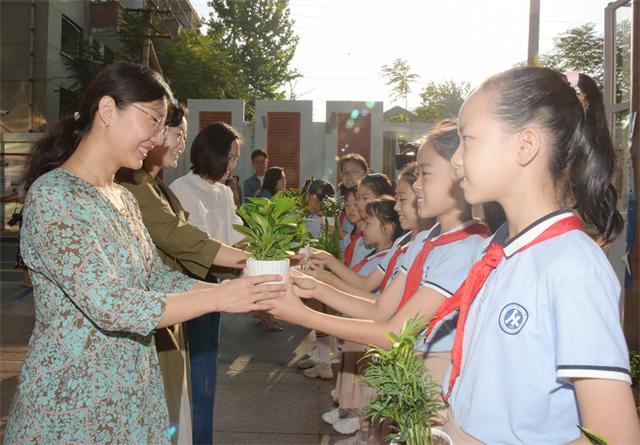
pixel 430 270
pixel 532 337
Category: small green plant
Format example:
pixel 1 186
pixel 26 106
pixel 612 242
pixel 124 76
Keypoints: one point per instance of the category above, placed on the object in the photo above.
pixel 273 227
pixel 329 239
pixel 301 199
pixel 404 389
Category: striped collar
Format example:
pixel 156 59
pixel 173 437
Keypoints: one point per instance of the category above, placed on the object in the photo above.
pixel 528 234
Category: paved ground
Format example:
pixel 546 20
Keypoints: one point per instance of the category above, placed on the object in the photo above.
pixel 261 397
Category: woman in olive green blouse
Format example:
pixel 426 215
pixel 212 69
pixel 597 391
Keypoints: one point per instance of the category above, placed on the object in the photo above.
pixel 188 249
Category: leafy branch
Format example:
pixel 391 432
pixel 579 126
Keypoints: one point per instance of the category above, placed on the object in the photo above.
pixel 405 391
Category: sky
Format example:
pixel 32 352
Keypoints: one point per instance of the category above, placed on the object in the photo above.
pixel 344 43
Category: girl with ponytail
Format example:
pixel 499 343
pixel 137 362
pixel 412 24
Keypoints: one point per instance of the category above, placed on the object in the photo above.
pixel 539 347
pixel 100 288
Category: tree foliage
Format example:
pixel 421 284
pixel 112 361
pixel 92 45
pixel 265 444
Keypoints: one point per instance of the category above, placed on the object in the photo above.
pixel 196 67
pixel 260 40
pixel 400 78
pixel 578 49
pixel 442 100
pixel 246 53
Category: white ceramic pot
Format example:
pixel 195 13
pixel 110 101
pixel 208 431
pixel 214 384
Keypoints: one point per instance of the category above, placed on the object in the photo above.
pixel 261 267
pixel 439 433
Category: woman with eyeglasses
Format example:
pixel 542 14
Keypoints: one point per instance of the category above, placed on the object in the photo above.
pixel 186 248
pixel 100 289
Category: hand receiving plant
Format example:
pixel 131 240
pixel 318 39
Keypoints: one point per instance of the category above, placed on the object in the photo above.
pixel 322 258
pixel 289 307
pixel 304 285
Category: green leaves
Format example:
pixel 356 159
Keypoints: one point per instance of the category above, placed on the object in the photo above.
pixel 273 226
pixel 404 389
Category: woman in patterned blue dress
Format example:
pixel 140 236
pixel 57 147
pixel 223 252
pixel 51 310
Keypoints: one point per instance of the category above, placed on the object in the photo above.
pixel 100 289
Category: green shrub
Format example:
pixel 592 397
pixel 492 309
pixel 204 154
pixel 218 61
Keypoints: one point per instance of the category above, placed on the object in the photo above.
pixel 404 389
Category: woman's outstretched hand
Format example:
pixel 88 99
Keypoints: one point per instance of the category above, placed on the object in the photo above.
pixel 248 294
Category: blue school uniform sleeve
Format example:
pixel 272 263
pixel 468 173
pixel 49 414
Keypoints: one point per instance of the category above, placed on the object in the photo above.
pixel 447 266
pixel 585 306
pixel 384 262
pixel 413 250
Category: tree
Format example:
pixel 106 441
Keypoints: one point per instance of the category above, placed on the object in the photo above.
pixel 581 49
pixel 260 39
pixel 196 67
pixel 578 49
pixel 399 77
pixel 442 101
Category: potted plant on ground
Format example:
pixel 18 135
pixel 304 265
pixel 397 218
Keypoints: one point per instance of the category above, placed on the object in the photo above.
pixel 274 231
pixel 405 392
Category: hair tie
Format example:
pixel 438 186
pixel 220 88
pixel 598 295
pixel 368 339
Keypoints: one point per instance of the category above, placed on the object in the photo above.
pixel 573 78
pixel 76 116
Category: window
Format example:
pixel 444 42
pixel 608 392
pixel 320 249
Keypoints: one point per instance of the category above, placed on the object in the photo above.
pixel 68 102
pixel 71 35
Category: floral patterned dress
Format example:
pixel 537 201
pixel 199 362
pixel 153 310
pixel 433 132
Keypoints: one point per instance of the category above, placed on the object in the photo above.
pixel 91 373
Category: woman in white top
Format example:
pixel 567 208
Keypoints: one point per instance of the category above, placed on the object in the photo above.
pixel 202 192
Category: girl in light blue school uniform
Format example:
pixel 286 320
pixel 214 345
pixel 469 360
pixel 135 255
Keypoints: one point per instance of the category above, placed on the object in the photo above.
pixel 427 283
pixel 372 186
pixel 379 277
pixel 352 167
pixel 380 230
pixel 542 349
pixel 318 190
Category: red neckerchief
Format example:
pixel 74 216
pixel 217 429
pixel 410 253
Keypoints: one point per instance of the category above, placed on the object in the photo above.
pixel 469 289
pixel 392 264
pixel 414 275
pixel 348 253
pixel 358 267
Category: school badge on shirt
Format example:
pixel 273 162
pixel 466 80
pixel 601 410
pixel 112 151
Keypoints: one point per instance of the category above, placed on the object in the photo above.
pixel 513 318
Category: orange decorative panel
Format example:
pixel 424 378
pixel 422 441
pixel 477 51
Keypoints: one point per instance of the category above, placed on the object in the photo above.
pixel 283 144
pixel 354 136
pixel 206 118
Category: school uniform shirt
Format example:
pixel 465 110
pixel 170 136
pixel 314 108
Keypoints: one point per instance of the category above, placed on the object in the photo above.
pixel 360 251
pixel 545 316
pixel 346 225
pixel 403 241
pixel 444 270
pixel 314 225
pixel 369 263
pixel 210 206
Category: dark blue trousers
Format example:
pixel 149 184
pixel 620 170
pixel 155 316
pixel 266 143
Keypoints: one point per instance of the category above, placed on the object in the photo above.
pixel 202 337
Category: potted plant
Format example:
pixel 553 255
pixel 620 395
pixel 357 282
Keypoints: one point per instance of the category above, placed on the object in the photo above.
pixel 405 392
pixel 274 231
pixel 329 239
